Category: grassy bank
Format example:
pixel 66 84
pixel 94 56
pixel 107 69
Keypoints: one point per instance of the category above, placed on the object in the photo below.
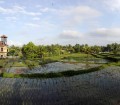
pixel 32 63
pixel 73 55
pixel 77 57
pixel 51 75
pixel 59 74
pixel 109 56
pixel 41 61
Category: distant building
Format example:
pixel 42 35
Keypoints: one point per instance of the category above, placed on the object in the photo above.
pixel 3 47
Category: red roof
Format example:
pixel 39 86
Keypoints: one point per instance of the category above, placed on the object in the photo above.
pixel 3 36
pixel 2 44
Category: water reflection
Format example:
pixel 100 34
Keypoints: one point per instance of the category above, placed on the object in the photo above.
pixel 52 67
pixel 64 65
pixel 97 88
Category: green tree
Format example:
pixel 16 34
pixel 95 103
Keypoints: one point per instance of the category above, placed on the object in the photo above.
pixel 41 51
pixel 14 51
pixel 95 49
pixel 77 48
pixel 115 48
pixel 29 51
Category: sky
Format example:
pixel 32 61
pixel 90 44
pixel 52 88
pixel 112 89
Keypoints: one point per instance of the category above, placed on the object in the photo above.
pixel 45 22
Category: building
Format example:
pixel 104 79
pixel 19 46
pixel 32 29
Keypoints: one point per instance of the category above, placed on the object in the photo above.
pixel 3 47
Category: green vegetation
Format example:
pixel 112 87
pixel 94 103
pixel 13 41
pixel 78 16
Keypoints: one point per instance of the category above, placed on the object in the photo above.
pixel 31 51
pixel 59 74
pixel 31 63
pixel 56 52
pixel 14 51
pixel 31 55
pixel 69 55
pixel 3 63
pixel 109 56
pixel 19 64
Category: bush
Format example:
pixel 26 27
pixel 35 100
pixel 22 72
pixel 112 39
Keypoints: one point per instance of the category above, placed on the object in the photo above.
pixel 31 64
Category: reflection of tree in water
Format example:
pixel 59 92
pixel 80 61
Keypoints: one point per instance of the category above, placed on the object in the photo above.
pixel 87 61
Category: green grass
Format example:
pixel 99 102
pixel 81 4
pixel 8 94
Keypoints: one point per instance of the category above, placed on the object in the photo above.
pixel 35 62
pixel 19 64
pixel 81 55
pixel 3 62
pixel 114 64
pixel 32 63
pixel 59 74
pixel 10 75
pixel 109 56
pixel 78 57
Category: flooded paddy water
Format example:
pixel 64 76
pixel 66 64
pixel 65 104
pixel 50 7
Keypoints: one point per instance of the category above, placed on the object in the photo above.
pixel 64 65
pixel 96 88
pixel 51 67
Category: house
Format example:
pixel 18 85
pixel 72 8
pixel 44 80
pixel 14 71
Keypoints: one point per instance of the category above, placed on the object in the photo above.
pixel 3 47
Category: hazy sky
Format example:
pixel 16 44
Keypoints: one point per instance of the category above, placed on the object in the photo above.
pixel 60 21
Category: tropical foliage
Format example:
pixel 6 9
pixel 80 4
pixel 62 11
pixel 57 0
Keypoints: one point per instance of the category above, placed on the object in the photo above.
pixel 31 51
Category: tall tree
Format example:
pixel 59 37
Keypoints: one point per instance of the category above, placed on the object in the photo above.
pixel 29 50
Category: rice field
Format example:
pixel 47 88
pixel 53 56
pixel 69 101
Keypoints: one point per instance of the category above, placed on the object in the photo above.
pixel 63 65
pixel 51 67
pixel 96 88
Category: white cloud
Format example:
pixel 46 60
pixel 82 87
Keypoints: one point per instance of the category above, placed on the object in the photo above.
pixel 110 5
pixel 18 10
pixel 80 10
pixel 43 25
pixel 44 9
pixel 107 32
pixel 114 5
pixel 73 16
pixel 14 9
pixel 32 13
pixel 32 25
pixel 36 18
pixel 48 9
pixel 13 18
pixel 70 34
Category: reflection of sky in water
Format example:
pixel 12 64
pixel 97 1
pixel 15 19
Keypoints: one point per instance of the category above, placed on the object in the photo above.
pixel 69 64
pixel 59 66
pixel 101 88
pixel 52 67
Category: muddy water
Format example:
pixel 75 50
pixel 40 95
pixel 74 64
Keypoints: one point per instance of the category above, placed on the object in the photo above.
pixel 97 88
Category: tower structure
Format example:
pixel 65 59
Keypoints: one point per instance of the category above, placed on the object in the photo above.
pixel 3 47
pixel 4 39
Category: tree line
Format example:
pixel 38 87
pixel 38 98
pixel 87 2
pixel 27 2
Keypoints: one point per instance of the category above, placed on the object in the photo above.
pixel 31 50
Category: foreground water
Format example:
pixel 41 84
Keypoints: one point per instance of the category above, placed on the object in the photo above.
pixel 64 65
pixel 96 88
pixel 52 67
